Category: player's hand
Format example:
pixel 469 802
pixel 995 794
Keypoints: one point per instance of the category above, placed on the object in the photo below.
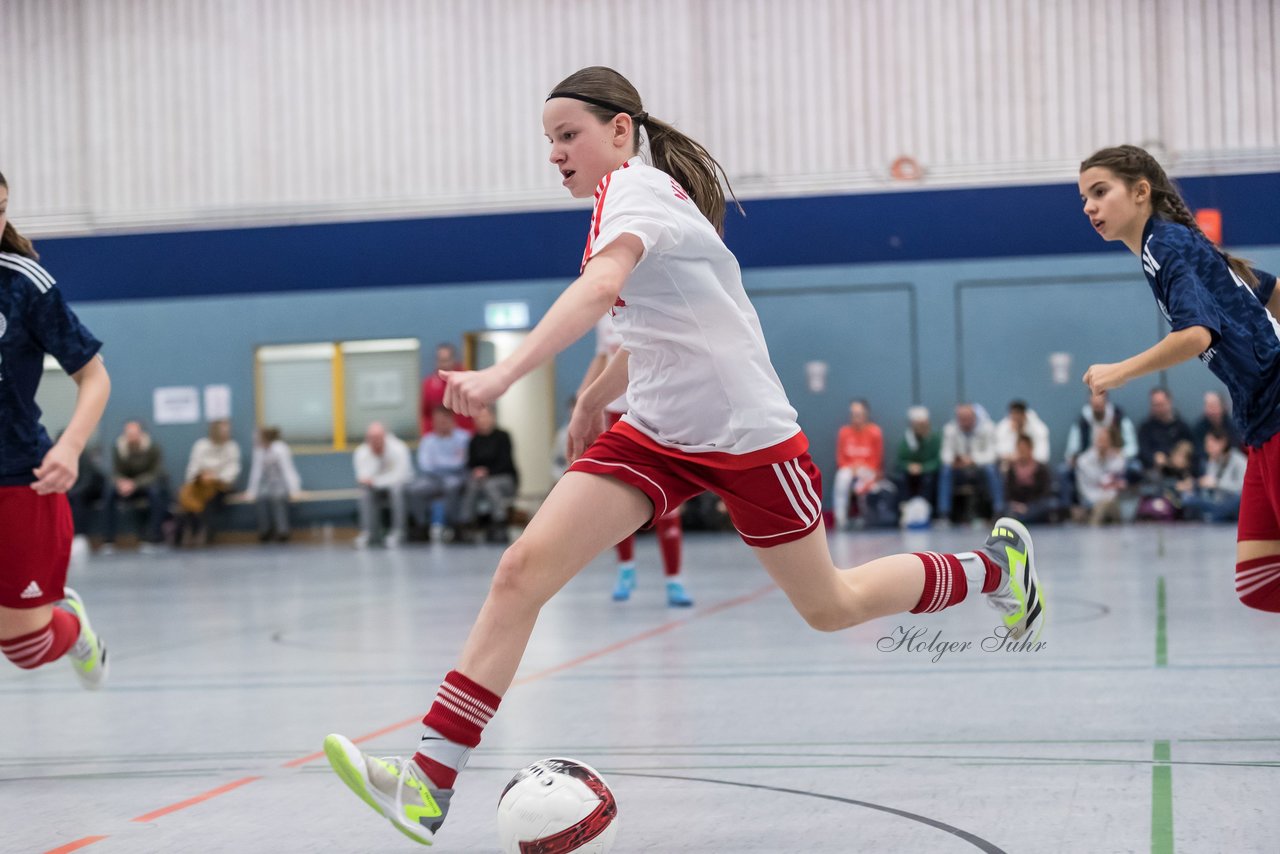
pixel 1100 378
pixel 585 425
pixel 468 392
pixel 58 470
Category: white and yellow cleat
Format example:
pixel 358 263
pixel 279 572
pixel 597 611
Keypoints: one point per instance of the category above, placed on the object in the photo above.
pixel 392 787
pixel 1019 596
pixel 88 655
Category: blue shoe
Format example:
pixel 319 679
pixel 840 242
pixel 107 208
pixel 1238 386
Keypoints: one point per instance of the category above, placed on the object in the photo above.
pixel 677 596
pixel 626 583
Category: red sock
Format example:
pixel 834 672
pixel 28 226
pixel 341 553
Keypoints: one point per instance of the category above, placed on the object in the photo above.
pixel 454 724
pixel 944 582
pixel 1258 583
pixel 45 645
pixel 627 549
pixel 670 538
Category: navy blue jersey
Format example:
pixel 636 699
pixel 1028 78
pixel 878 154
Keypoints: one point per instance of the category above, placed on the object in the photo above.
pixel 34 320
pixel 1194 286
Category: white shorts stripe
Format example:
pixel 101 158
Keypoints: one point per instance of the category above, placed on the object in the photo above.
pixel 801 483
pixel 786 491
pixel 774 536
pixel 808 486
pixel 665 502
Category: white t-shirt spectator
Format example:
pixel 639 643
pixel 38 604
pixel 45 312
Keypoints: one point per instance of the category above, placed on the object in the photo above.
pixel 393 468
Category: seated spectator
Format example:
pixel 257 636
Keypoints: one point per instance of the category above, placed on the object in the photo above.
pixel 491 476
pixel 1214 417
pixel 137 476
pixel 1216 497
pixel 969 459
pixel 919 457
pixel 442 472
pixel 859 462
pixel 1100 477
pixel 1098 414
pixel 433 388
pixel 1021 421
pixel 1161 433
pixel 273 483
pixel 212 470
pixel 1028 485
pixel 383 470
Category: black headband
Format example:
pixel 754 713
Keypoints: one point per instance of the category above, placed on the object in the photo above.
pixel 641 116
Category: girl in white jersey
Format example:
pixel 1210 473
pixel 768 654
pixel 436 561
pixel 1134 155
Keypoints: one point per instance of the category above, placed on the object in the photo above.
pixel 706 411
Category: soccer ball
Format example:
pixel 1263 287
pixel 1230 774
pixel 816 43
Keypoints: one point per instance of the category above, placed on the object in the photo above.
pixel 555 806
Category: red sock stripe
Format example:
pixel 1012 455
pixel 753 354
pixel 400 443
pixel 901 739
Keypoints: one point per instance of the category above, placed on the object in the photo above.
pixel 1258 583
pixel 944 582
pixel 461 709
pixel 43 645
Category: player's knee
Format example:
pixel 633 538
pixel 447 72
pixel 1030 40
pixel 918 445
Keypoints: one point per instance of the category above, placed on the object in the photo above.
pixel 825 618
pixel 517 575
pixel 1258 583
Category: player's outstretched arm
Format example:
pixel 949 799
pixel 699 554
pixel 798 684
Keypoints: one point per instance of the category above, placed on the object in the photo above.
pixel 1175 348
pixel 572 315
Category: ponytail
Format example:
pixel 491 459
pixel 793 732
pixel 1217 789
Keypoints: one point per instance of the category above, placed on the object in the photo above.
pixel 11 240
pixel 607 93
pixel 1131 164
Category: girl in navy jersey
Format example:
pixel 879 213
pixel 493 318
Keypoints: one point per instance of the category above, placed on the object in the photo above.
pixel 705 411
pixel 40 620
pixel 1220 309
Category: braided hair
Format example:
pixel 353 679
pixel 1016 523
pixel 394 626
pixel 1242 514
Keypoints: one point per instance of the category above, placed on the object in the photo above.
pixel 1132 164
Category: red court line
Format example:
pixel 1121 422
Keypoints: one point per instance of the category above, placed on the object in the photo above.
pixel 534 677
pixel 75 846
pixel 190 802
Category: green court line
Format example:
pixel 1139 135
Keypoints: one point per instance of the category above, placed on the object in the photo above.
pixel 1161 799
pixel 1162 643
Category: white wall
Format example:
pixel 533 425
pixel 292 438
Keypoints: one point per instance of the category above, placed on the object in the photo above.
pixel 158 113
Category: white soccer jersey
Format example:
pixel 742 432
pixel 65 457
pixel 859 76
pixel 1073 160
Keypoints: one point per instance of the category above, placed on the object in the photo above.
pixel 608 343
pixel 700 380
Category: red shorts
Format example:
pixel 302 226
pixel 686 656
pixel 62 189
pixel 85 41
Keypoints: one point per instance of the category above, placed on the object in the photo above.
pixel 1260 498
pixel 35 546
pixel 770 504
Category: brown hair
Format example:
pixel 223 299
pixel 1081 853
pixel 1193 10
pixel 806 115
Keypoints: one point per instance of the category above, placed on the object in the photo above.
pixel 684 159
pixel 1132 164
pixel 11 240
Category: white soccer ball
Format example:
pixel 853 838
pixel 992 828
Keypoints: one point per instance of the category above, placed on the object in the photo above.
pixel 555 806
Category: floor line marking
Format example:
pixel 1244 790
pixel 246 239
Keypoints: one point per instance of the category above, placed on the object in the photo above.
pixel 533 677
pixel 1161 800
pixel 1162 642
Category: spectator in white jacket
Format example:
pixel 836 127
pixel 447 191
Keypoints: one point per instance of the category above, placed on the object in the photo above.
pixel 1100 476
pixel 1021 421
pixel 211 474
pixel 273 483
pixel 383 470
pixel 969 458
pixel 1216 497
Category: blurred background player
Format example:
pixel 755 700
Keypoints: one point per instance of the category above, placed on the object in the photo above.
pixel 670 528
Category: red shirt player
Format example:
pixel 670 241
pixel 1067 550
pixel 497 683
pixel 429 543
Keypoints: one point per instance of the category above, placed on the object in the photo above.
pixel 433 388
pixel 705 412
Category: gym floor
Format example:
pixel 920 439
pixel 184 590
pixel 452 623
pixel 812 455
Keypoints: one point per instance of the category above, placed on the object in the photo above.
pixel 1149 720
